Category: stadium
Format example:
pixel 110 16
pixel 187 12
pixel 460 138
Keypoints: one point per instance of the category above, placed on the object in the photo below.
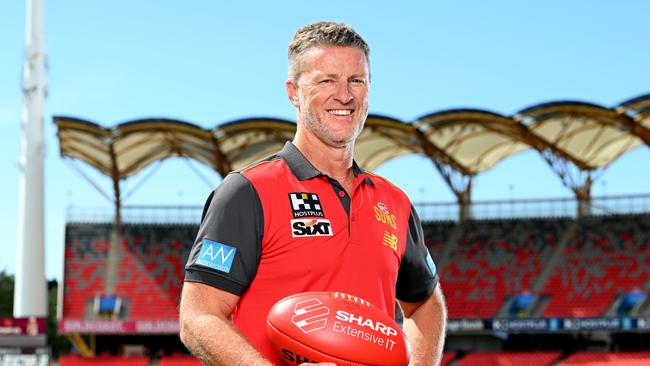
pixel 558 283
pixel 536 281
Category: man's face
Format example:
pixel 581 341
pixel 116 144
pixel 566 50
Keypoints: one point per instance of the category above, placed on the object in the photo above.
pixel 332 94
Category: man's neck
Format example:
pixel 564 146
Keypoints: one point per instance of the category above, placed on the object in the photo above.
pixel 333 161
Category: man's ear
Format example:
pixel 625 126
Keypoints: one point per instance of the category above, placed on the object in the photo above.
pixel 292 93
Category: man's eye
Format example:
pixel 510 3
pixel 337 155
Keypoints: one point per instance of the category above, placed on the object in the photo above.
pixel 326 81
pixel 358 81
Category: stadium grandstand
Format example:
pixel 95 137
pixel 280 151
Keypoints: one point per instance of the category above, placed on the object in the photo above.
pixel 529 282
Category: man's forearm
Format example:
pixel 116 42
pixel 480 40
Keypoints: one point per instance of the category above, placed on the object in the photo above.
pixel 425 329
pixel 216 342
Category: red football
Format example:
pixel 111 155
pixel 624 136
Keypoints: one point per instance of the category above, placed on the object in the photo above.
pixel 335 327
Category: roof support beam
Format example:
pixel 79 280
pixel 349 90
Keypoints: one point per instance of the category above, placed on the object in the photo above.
pixel 115 236
pixel 456 177
pixel 641 131
pixel 638 109
pixel 221 163
pixel 576 179
pixel 461 185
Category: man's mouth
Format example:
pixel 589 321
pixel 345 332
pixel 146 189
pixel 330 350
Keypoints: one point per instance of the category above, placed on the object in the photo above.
pixel 340 112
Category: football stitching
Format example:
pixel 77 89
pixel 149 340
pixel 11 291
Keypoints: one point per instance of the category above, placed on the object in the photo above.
pixel 311 348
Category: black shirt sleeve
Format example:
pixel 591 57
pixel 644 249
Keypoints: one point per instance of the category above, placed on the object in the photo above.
pixel 417 276
pixel 227 249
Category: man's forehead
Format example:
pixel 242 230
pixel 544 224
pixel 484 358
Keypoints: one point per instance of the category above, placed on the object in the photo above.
pixel 317 51
pixel 321 57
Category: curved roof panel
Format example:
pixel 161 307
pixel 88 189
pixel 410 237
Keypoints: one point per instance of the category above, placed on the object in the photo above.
pixel 86 141
pixel 639 106
pixel 383 139
pixel 591 135
pixel 247 140
pixel 639 110
pixel 469 141
pixel 476 139
pixel 127 148
pixel 140 143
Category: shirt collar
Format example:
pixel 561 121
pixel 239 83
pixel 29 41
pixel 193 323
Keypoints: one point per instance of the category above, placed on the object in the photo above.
pixel 304 170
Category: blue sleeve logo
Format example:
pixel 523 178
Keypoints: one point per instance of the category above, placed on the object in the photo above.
pixel 430 264
pixel 215 255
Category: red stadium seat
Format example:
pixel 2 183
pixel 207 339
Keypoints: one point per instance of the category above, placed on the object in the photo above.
pixel 150 270
pixel 494 260
pixel 103 360
pixel 179 360
pixel 607 256
pixel 509 359
pixel 607 358
pixel 447 358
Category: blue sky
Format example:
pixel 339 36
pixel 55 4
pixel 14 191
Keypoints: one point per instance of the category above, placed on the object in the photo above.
pixel 214 62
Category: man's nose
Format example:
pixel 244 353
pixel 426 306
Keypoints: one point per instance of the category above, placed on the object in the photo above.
pixel 343 93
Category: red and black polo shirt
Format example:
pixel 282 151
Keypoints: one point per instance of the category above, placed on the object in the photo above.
pixel 282 227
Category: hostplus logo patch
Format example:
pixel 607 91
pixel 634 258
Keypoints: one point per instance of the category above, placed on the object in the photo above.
pixel 310 315
pixel 304 204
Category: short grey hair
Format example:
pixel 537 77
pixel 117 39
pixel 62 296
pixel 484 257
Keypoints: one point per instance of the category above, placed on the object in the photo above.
pixel 322 34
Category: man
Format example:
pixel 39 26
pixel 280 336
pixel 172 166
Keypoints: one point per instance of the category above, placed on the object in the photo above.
pixel 309 219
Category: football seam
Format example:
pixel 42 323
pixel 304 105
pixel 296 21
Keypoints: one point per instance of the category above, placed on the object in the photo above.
pixel 312 348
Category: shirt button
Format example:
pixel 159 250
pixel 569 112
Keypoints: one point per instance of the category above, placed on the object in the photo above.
pixel 341 194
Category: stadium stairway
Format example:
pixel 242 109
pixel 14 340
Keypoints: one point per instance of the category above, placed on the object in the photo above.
pixel 548 268
pixel 442 252
pixel 556 257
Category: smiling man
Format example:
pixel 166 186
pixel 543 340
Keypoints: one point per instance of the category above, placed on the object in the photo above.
pixel 309 219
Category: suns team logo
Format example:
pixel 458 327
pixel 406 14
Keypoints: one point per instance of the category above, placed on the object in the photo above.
pixel 383 215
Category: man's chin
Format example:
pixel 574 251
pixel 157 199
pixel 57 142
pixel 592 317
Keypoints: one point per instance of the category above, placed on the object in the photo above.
pixel 341 142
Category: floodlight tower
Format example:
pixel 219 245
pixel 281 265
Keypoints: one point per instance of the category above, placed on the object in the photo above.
pixel 29 289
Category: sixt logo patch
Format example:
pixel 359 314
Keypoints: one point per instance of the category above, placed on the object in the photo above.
pixel 217 256
pixel 305 204
pixel 310 315
pixel 310 227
